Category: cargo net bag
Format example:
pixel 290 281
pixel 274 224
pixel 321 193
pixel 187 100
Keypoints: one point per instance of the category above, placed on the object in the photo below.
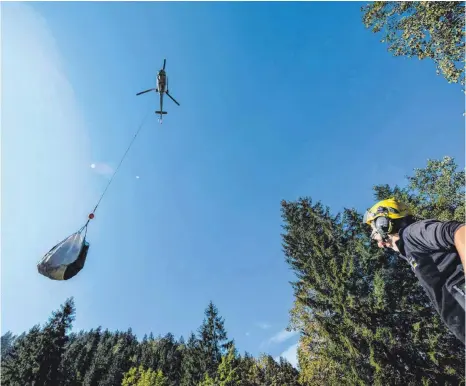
pixel 66 258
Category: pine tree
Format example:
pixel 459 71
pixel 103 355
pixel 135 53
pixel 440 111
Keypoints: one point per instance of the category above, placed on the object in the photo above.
pixel 101 362
pixel 88 356
pixel 251 372
pixel 148 348
pixel 169 357
pixel 71 358
pixel 144 352
pixel 22 362
pixel 315 367
pixel 287 374
pixel 115 370
pixel 362 313
pixel 191 367
pixel 123 357
pixel 53 341
pixel 6 344
pixel 213 340
pixel 36 357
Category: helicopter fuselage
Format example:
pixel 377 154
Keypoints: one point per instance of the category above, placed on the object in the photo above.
pixel 161 81
pixel 162 88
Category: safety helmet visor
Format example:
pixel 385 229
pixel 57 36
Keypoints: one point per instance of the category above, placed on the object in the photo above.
pixel 368 217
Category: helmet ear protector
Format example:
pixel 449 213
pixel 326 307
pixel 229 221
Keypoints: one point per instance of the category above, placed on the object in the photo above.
pixel 383 225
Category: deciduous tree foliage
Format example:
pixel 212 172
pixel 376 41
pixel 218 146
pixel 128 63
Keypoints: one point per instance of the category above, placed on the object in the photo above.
pixel 51 355
pixel 141 377
pixel 228 373
pixel 364 318
pixel 423 29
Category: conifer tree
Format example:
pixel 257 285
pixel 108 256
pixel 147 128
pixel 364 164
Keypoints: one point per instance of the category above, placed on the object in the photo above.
pixel 72 357
pixel 6 344
pixel 287 374
pixel 213 340
pixel 21 364
pixel 52 346
pixel 169 357
pixel 362 313
pixel 228 373
pixel 36 357
pixel 251 372
pixel 101 362
pixel 88 355
pixel 191 367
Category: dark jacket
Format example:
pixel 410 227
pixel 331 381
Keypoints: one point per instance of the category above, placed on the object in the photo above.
pixel 429 247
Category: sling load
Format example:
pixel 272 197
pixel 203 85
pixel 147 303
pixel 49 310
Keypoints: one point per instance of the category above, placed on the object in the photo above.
pixel 67 258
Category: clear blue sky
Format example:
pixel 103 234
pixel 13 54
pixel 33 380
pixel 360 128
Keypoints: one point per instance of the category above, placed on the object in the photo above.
pixel 278 100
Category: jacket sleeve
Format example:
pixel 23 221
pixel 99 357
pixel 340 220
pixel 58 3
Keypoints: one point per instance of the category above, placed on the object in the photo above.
pixel 433 235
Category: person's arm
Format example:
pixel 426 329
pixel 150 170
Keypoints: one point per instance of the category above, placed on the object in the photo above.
pixel 460 237
pixel 435 235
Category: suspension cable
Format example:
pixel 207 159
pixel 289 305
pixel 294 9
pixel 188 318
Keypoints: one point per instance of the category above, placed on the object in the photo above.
pixel 91 215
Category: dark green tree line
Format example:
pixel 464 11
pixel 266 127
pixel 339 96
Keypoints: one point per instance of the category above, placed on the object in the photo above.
pixel 52 355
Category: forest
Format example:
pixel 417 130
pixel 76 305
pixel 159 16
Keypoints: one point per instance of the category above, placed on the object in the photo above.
pixel 363 318
pixel 51 355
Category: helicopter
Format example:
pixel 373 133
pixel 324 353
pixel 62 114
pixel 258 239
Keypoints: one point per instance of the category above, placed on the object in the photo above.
pixel 162 88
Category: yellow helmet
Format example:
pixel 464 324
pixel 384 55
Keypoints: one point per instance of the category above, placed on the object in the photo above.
pixel 382 214
pixel 390 208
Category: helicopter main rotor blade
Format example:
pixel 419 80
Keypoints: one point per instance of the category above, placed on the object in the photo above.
pixel 164 63
pixel 173 99
pixel 143 92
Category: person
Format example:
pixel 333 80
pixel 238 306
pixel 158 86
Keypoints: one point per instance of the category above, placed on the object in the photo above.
pixel 435 251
